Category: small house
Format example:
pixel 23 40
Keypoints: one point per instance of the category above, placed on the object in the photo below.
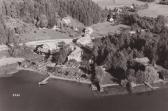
pixel 143 61
pixel 66 21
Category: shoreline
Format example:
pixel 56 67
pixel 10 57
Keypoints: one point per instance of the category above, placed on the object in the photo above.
pixel 110 89
pixel 51 76
pixel 8 66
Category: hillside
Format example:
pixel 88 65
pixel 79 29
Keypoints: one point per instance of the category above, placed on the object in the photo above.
pixel 30 11
pixel 22 16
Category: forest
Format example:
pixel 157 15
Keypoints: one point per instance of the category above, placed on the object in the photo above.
pixel 47 13
pixel 85 11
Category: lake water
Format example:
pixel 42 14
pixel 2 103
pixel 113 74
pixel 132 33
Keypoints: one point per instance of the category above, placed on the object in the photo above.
pixel 22 93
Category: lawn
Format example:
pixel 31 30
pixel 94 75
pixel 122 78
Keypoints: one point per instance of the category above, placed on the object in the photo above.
pixel 43 34
pixel 104 28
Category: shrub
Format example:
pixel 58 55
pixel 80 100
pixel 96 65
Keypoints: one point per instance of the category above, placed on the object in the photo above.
pixel 140 76
pixel 150 75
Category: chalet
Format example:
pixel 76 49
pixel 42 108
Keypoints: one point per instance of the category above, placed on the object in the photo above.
pixel 143 61
pixel 76 55
pixel 66 21
pixel 88 31
pixel 132 32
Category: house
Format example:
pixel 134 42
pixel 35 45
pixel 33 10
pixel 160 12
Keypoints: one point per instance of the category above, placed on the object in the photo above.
pixel 66 21
pixel 76 54
pixel 85 41
pixel 117 10
pixel 88 31
pixel 132 32
pixel 143 61
pixel 46 48
pixel 56 28
pixel 132 6
pixel 110 20
pixel 166 25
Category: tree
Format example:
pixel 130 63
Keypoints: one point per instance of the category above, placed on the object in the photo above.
pixel 43 21
pixel 162 50
pixel 118 66
pixel 61 56
pixel 151 51
pixel 131 75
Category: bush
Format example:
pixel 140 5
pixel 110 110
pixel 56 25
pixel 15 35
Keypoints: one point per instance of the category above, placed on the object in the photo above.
pixel 150 75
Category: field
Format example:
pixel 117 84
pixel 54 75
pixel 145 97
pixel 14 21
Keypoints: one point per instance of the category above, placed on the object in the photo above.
pixel 43 34
pixel 105 28
pixel 100 30
pixel 116 3
pixel 154 9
